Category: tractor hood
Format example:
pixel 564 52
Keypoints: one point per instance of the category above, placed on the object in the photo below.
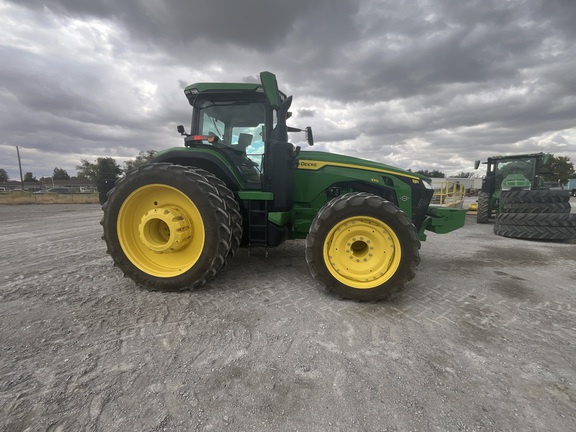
pixel 315 160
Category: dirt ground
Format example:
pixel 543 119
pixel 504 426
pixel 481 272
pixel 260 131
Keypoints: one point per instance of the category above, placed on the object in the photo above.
pixel 483 339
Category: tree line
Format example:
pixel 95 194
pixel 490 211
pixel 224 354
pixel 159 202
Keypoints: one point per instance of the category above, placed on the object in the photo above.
pixel 103 168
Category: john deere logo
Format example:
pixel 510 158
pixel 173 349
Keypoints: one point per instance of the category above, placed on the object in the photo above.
pixel 404 198
pixel 308 164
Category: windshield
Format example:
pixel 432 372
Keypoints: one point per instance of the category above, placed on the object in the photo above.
pixel 524 166
pixel 239 125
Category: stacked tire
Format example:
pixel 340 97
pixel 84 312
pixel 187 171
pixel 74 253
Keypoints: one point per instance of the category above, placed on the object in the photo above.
pixel 536 215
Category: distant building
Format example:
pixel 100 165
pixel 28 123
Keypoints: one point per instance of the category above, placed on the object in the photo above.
pixel 74 184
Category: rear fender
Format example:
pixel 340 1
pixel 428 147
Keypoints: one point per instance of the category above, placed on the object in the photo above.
pixel 206 159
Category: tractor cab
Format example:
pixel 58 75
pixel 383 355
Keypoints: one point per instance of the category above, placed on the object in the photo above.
pixel 234 122
pixel 246 123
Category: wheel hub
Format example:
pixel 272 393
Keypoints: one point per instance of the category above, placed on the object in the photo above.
pixel 165 230
pixel 361 252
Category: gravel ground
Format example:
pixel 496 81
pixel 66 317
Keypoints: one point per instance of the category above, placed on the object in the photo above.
pixel 482 339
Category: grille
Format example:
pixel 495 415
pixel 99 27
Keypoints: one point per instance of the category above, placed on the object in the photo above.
pixel 420 200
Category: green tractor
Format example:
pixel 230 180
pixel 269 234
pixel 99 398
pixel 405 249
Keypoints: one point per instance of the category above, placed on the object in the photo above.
pixel 507 173
pixel 238 181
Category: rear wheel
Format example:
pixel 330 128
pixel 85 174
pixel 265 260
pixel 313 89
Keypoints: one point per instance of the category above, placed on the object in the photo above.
pixel 362 247
pixel 166 227
pixel 483 213
pixel 232 209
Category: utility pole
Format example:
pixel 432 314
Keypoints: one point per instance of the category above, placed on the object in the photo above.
pixel 20 166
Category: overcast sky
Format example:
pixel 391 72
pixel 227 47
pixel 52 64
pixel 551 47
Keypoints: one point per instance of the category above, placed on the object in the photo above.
pixel 420 84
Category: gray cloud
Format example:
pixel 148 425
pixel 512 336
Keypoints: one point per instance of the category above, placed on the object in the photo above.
pixel 427 84
pixel 303 113
pixel 257 24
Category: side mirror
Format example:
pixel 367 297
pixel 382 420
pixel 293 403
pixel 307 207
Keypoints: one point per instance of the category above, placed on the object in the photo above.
pixel 307 131
pixel 309 136
pixel 476 164
pixel 181 130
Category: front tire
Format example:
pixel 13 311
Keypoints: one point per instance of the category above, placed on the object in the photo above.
pixel 483 213
pixel 362 247
pixel 166 227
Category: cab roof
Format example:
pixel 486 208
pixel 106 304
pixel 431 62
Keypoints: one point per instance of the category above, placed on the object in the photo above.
pixel 206 88
pixel 517 156
pixel 220 87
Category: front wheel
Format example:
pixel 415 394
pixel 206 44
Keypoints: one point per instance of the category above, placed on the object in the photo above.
pixel 166 227
pixel 362 247
pixel 483 213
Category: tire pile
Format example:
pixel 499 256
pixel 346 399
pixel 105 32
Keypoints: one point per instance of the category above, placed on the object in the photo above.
pixel 536 215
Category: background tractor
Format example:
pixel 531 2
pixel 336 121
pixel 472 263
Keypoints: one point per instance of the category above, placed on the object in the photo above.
pixel 238 181
pixel 516 172
pixel 513 191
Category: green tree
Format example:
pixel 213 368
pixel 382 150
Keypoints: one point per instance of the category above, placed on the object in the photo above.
pixel 105 172
pixel 142 159
pixel 3 175
pixel 60 174
pixel 86 170
pixel 464 175
pixel 29 177
pixel 102 169
pixel 433 174
pixel 558 168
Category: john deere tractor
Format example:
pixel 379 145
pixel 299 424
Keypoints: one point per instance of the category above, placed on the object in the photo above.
pixel 238 181
pixel 513 191
pixel 507 173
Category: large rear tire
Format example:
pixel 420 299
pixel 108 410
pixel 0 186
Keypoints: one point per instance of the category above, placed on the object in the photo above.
pixel 535 196
pixel 538 219
pixel 553 207
pixel 536 226
pixel 166 227
pixel 362 247
pixel 232 209
pixel 528 232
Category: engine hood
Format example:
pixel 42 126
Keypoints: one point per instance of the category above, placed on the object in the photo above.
pixel 315 160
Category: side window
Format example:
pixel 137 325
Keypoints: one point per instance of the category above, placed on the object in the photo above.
pixel 250 140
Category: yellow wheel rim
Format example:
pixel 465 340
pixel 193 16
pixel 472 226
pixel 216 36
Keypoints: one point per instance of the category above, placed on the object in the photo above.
pixel 362 252
pixel 160 230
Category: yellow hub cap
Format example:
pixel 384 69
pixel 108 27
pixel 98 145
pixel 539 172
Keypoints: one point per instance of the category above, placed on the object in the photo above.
pixel 362 252
pixel 160 230
pixel 164 230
